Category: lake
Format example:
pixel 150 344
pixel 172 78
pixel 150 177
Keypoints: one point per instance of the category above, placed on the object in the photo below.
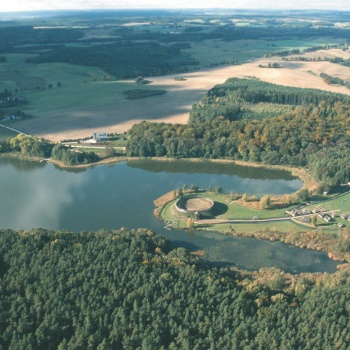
pixel 121 195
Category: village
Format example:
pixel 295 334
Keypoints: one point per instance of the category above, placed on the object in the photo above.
pixel 309 216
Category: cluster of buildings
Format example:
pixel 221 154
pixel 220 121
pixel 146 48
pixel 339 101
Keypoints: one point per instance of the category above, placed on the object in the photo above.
pixel 10 101
pixel 301 212
pixel 325 216
pixel 10 117
pixel 304 215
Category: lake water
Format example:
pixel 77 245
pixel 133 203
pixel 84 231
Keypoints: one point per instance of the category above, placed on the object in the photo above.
pixel 121 195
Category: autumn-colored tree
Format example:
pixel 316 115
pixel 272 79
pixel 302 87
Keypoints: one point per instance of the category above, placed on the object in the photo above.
pixel 265 202
pixel 288 199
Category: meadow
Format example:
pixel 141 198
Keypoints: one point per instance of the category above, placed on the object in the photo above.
pixel 211 53
pixel 6 134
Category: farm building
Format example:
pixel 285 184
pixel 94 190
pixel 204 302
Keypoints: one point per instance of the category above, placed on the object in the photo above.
pixel 327 218
pixel 99 137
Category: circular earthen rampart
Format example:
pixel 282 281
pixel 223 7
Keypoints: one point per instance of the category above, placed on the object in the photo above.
pixel 192 204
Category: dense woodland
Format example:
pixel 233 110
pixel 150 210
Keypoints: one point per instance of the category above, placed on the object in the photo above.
pixel 123 59
pixel 259 122
pixel 132 290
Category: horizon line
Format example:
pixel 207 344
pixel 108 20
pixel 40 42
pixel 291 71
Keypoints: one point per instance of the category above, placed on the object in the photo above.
pixel 275 9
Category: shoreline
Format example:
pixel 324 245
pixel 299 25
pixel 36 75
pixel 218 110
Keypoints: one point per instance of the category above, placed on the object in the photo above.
pixel 301 173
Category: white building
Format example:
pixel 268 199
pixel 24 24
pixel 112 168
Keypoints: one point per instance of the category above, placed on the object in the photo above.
pixel 99 137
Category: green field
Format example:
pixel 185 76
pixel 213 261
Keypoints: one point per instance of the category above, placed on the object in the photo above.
pixel 6 134
pixel 239 51
pixel 54 88
pixel 72 97
pixel 339 202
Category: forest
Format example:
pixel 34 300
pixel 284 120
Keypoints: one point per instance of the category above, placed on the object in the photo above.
pixel 123 59
pixel 255 121
pixel 129 289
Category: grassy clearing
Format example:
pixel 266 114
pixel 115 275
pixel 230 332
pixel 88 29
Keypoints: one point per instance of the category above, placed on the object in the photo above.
pixel 341 202
pixel 54 88
pixel 81 87
pixel 169 213
pixel 71 98
pixel 239 51
pixel 6 134
pixel 68 75
pixel 16 69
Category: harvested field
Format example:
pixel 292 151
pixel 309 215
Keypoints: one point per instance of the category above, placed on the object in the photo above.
pixel 113 112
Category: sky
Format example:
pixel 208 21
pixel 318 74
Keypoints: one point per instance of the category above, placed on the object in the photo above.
pixel 38 5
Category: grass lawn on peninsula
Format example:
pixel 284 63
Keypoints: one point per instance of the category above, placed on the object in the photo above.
pixel 225 209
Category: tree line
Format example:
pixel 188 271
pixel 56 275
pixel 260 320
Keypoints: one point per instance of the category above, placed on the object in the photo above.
pixel 329 79
pixel 130 289
pixel 31 146
pixel 222 125
pixel 16 35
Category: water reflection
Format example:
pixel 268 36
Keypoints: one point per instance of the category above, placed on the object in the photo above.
pixel 230 177
pixel 22 165
pixel 33 195
pixel 211 167
pixel 249 253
